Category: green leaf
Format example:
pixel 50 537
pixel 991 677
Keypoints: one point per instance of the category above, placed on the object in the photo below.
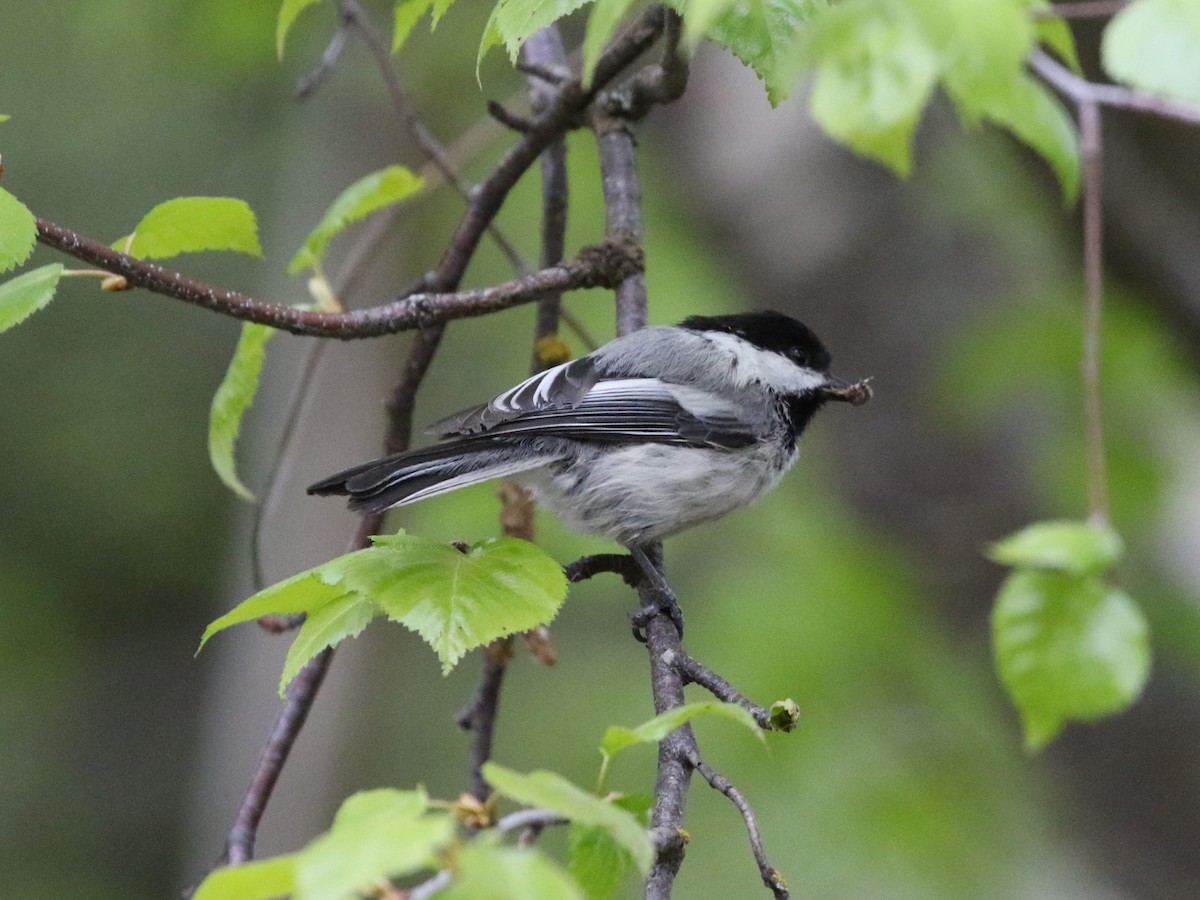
pixel 302 593
pixel 763 34
pixel 1034 115
pixel 1068 648
pixel 365 196
pixel 1056 34
pixel 232 399
pixel 508 873
pixel 874 77
pixel 4 118
pixel 618 738
pixel 1155 45
pixel 328 626
pixel 552 791
pixel 26 294
pixel 458 601
pixel 512 22
pixel 263 879
pixel 454 601
pixel 602 23
pixel 1073 548
pixel 408 13
pixel 288 12
pixel 193 225
pixel 596 861
pixel 18 231
pixel 376 834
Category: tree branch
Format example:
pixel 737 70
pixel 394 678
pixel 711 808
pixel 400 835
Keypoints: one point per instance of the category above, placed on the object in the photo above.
pixel 239 846
pixel 770 875
pixel 695 673
pixel 419 310
pixel 1082 91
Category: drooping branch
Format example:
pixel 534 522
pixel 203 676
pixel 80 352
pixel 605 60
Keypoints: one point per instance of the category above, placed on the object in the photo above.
pixel 594 267
pixel 770 875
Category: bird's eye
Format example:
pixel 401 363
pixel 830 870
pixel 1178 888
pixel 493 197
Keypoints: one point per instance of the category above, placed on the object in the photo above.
pixel 798 355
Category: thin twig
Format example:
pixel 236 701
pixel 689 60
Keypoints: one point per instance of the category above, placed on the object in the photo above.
pixel 1091 144
pixel 239 846
pixel 479 716
pixel 695 673
pixel 770 875
pixel 404 314
pixel 530 818
pixel 1083 91
pixel 307 86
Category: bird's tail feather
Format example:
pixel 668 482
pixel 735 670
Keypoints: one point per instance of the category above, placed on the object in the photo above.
pixel 418 474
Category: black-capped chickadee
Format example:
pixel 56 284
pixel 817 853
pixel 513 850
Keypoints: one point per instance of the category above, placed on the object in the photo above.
pixel 648 435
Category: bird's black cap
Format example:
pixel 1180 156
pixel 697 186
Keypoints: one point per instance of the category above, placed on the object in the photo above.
pixel 771 331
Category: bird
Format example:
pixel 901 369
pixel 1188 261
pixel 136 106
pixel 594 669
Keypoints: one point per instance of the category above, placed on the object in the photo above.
pixel 650 434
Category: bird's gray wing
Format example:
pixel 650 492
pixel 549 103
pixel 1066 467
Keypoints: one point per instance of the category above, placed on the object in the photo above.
pixel 560 387
pixel 623 410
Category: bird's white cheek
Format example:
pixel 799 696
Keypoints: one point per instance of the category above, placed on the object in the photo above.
pixel 749 364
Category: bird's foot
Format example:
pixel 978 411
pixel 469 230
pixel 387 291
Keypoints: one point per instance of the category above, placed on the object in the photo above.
pixel 668 606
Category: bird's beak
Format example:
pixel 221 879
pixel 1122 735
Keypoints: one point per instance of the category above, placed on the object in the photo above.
pixel 855 394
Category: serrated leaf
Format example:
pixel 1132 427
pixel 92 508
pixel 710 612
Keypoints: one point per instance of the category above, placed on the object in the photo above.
pixel 602 23
pixel 18 231
pixel 1155 45
pixel 376 834
pixel 874 77
pixel 368 194
pixel 454 601
pixel 1073 548
pixel 288 11
pixel 458 601
pixel 234 396
pixel 512 22
pixel 264 879
pixel 618 738
pixel 408 14
pixel 1068 648
pixel 194 225
pixel 763 34
pixel 699 18
pixel 24 295
pixel 508 873
pixel 551 791
pixel 328 626
pixel 302 593
pixel 596 861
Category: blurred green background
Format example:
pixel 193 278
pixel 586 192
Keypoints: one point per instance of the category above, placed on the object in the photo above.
pixel 858 588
